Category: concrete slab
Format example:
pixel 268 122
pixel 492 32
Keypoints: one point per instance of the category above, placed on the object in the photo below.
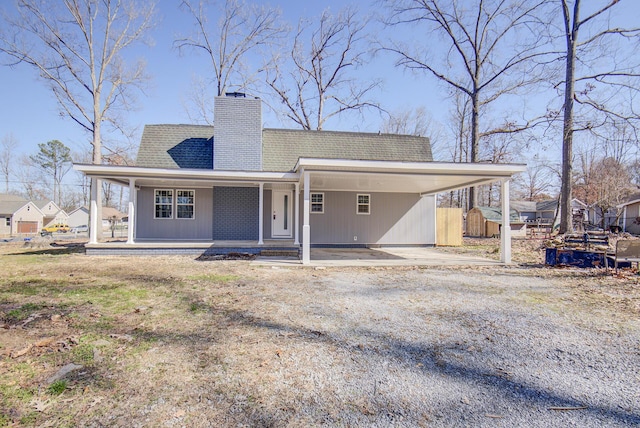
pixel 389 256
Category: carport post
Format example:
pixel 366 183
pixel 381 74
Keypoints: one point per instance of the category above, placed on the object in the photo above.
pixel 306 228
pixel 131 212
pixel 93 213
pixel 505 234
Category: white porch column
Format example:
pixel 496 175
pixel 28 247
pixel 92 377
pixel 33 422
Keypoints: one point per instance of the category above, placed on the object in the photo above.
pixel 505 235
pixel 93 213
pixel 131 211
pixel 306 228
pixel 296 234
pixel 624 219
pixel 261 215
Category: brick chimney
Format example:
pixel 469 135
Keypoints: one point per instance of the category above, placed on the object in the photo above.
pixel 237 139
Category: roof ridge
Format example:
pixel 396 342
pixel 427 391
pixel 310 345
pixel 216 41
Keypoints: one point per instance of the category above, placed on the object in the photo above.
pixel 323 131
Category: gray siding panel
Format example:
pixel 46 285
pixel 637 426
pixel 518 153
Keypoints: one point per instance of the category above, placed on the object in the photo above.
pixel 235 213
pixel 148 227
pixel 267 213
pixel 395 219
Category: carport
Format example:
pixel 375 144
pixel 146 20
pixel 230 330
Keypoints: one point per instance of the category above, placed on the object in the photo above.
pixel 424 178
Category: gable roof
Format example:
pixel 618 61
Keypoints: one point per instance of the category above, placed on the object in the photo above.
pixel 191 146
pixel 283 147
pixel 523 206
pixel 495 214
pixel 176 146
pixel 10 207
pixel 8 197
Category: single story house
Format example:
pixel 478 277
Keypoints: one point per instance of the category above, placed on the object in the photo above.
pixel 19 216
pixel 80 216
pixel 245 184
pixel 487 222
pixel 543 212
pixel 631 214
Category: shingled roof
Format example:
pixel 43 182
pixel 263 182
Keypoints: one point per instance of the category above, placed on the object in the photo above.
pixel 191 146
pixel 283 147
pixel 176 146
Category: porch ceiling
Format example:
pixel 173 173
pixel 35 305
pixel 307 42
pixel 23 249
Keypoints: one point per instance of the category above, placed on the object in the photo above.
pixel 424 178
pixel 324 174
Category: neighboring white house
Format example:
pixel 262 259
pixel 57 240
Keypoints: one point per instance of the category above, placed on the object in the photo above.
pixel 51 212
pixel 19 216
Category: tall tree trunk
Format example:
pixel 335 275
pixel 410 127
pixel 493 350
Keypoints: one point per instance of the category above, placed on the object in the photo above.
pixel 473 192
pixel 571 27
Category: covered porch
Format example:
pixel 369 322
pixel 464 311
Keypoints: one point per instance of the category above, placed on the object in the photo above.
pixel 425 179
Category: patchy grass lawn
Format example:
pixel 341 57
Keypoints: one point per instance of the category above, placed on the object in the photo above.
pixel 170 341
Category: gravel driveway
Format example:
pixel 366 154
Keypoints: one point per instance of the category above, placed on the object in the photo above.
pixel 377 348
pixel 451 348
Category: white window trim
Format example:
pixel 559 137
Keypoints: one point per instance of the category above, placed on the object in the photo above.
pixel 155 204
pixel 193 204
pixel 321 203
pixel 358 204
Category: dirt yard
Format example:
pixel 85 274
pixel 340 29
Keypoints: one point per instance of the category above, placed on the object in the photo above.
pixel 175 342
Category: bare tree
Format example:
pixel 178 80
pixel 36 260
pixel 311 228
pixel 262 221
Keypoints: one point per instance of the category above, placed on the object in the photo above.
pixel 241 28
pixel 317 81
pixel 8 146
pixel 490 51
pixel 539 182
pixel 77 48
pixel 418 122
pixel 31 178
pixel 602 64
pixel 605 185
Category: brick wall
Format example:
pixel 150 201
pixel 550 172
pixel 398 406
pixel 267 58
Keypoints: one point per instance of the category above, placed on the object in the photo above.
pixel 237 143
pixel 235 213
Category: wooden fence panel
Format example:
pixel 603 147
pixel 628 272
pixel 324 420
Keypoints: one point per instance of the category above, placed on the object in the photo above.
pixel 449 227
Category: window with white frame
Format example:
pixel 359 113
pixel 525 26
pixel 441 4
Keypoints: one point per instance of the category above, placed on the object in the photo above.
pixel 8 221
pixel 317 203
pixel 363 205
pixel 185 203
pixel 163 203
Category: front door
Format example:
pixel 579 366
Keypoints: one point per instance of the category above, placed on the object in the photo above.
pixel 281 218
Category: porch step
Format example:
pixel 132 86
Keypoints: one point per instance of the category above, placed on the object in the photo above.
pixel 280 253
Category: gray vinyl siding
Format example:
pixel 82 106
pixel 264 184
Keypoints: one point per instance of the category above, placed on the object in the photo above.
pixel 395 219
pixel 235 213
pixel 267 204
pixel 632 214
pixel 148 227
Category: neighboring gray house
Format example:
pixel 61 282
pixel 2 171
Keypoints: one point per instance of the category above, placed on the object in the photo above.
pixel 80 216
pixel 257 187
pixel 630 217
pixel 532 212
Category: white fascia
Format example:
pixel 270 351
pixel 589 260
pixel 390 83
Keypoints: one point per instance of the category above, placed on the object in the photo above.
pixel 167 173
pixel 444 168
